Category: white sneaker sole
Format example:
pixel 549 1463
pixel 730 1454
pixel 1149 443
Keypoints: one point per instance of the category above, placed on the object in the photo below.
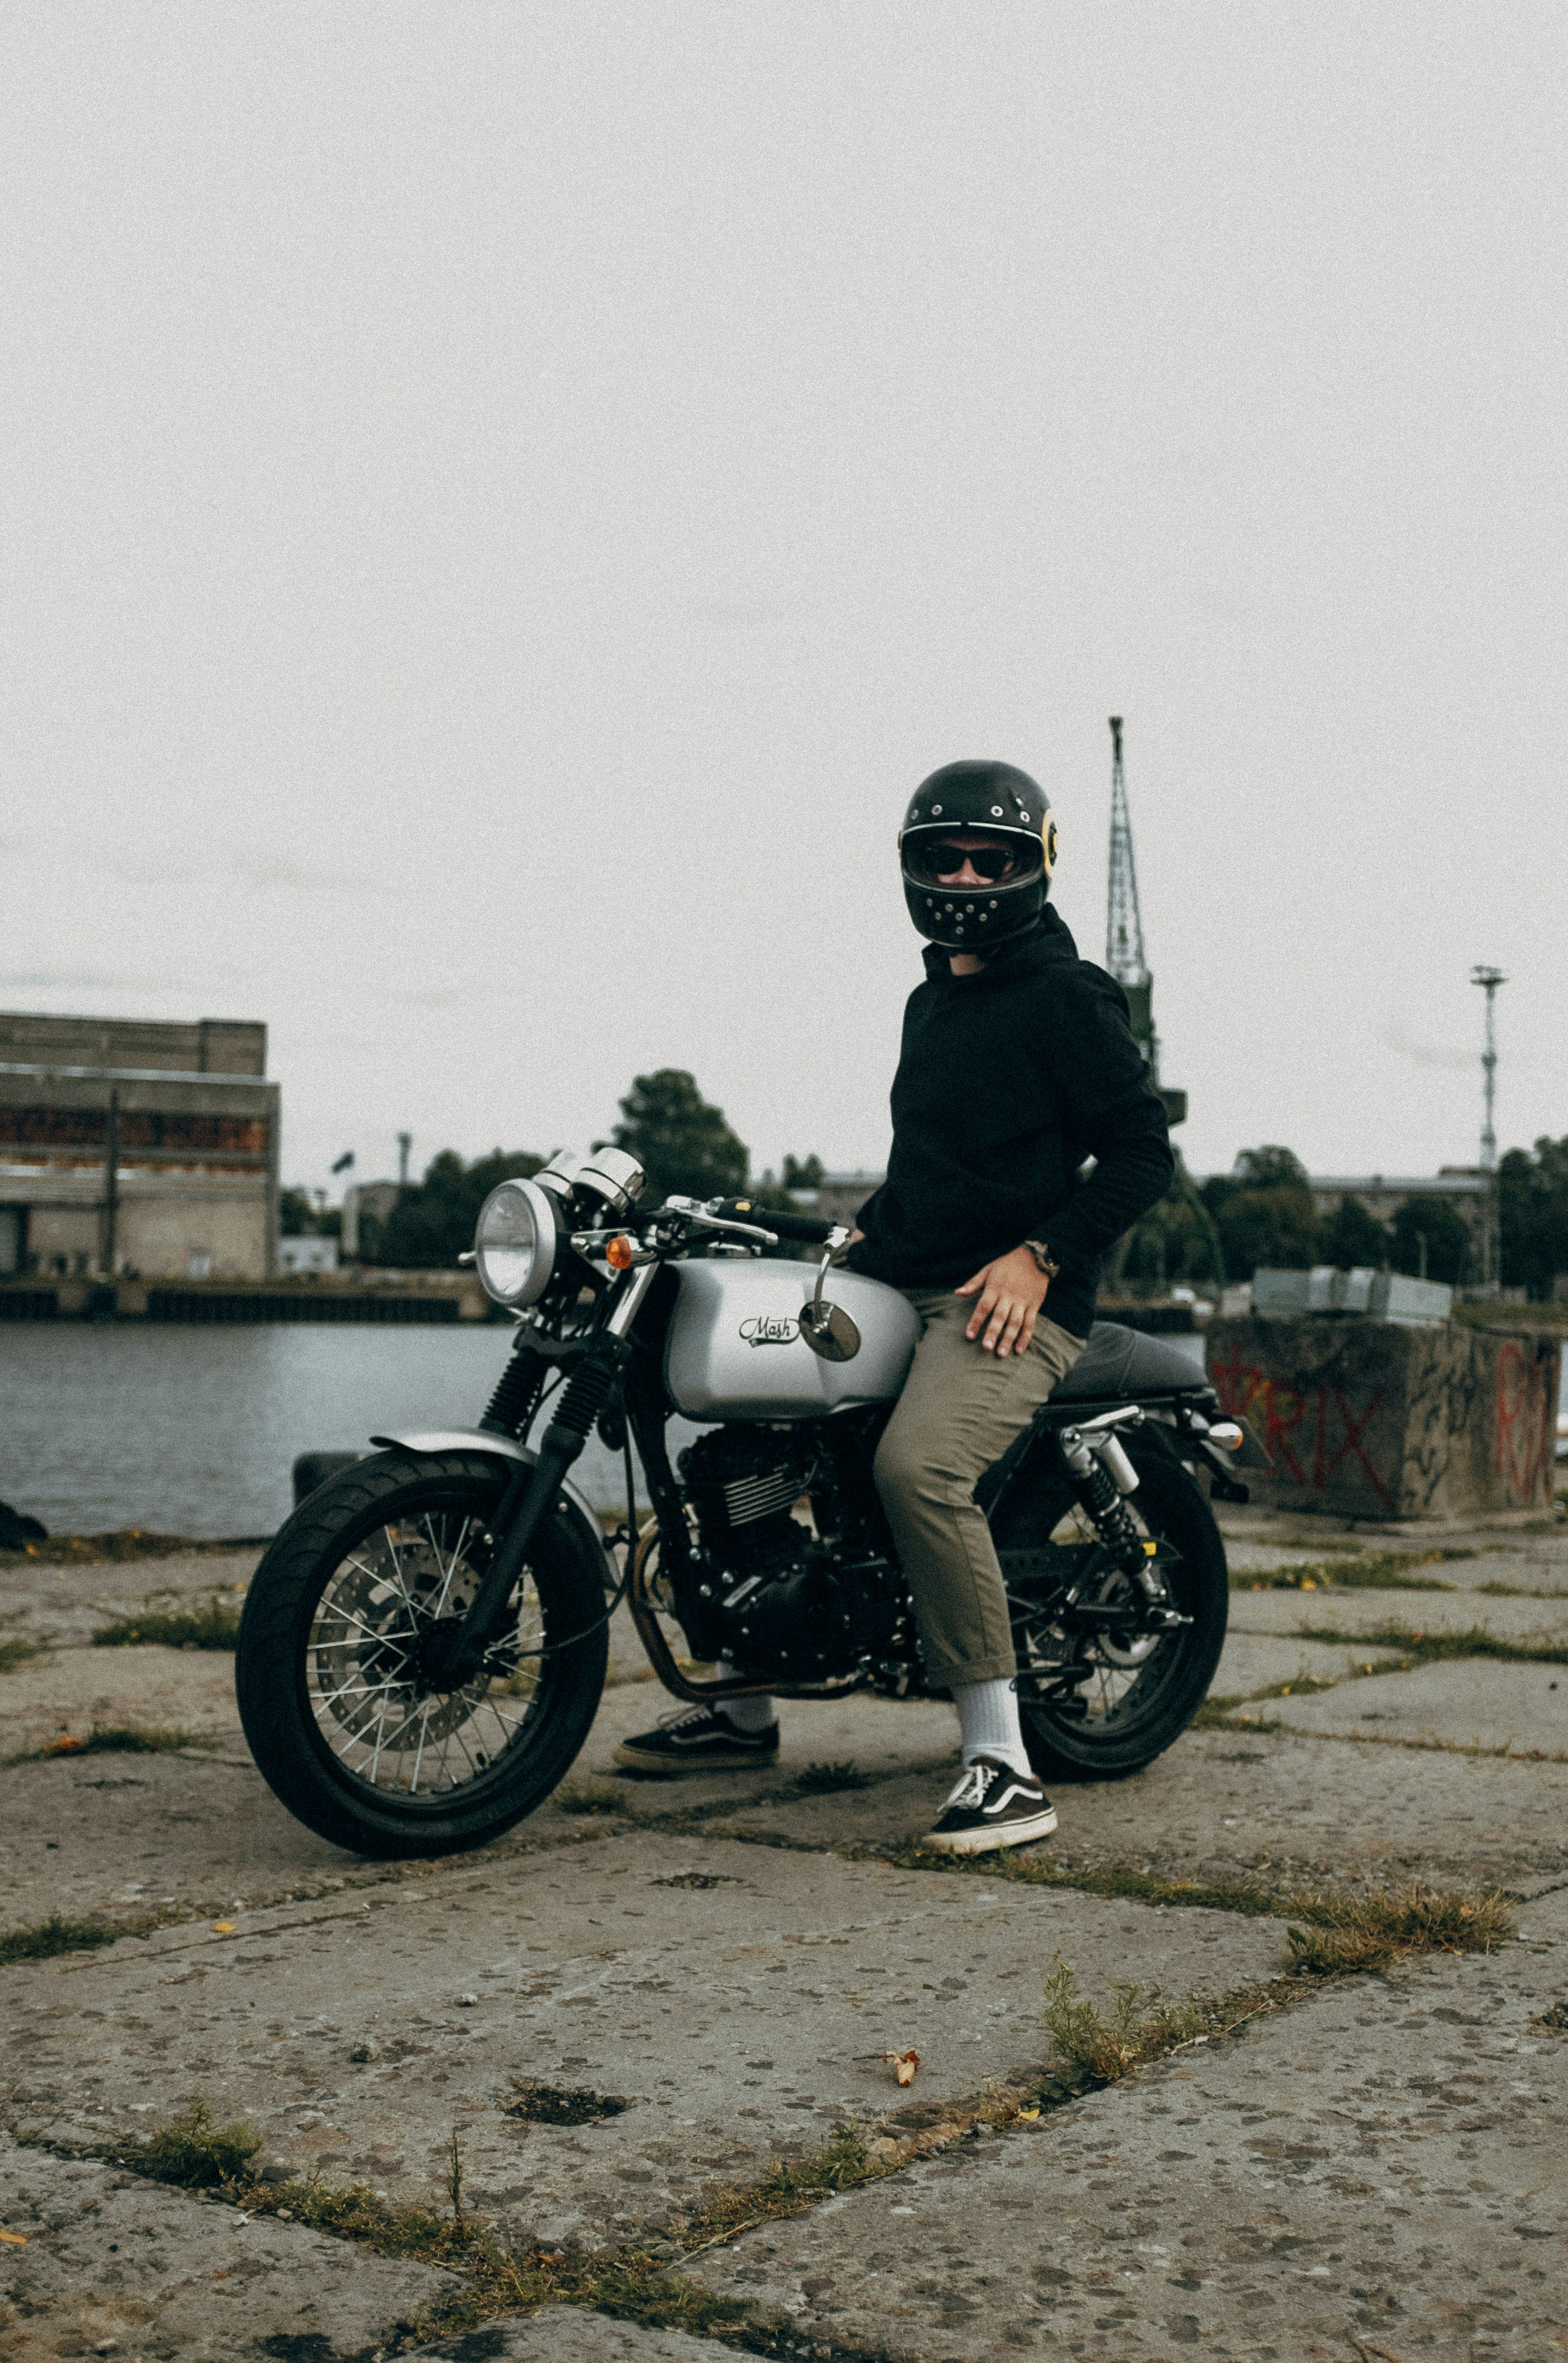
pixel 984 1841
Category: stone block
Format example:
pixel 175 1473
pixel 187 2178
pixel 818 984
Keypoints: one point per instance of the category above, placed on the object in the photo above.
pixel 1375 1419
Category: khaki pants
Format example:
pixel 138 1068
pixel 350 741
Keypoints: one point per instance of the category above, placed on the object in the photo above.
pixel 959 1410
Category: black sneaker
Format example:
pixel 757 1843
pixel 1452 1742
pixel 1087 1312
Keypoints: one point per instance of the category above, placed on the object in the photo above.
pixel 993 1807
pixel 703 1739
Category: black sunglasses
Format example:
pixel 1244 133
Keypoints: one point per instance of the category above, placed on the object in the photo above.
pixel 944 859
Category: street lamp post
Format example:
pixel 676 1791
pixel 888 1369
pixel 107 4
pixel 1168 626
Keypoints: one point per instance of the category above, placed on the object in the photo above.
pixel 1489 979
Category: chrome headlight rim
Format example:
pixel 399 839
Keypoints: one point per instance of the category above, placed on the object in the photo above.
pixel 526 1286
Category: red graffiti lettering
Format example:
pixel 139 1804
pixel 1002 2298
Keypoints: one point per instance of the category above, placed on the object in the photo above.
pixel 1354 1430
pixel 1246 1391
pixel 1523 1453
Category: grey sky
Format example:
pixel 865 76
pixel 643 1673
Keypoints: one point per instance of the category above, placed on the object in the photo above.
pixel 502 502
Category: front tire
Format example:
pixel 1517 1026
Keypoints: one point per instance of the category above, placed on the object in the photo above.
pixel 1138 1699
pixel 346 1728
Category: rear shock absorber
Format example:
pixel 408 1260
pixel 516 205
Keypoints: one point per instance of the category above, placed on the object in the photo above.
pixel 1102 1476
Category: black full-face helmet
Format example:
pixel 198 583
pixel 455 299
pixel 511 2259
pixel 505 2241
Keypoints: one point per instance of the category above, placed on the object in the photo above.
pixel 963 800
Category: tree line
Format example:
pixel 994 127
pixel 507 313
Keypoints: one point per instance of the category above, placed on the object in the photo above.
pixel 682 1141
pixel 1260 1213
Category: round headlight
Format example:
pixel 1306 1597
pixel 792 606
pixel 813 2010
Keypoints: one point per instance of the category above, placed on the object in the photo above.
pixel 514 1243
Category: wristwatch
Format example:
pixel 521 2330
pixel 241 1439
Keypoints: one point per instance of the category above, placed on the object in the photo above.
pixel 1044 1257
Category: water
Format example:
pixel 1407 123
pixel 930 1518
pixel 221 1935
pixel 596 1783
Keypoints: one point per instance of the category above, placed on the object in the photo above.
pixel 193 1431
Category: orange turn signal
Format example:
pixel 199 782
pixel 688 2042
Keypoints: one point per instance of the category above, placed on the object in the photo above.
pixel 619 1251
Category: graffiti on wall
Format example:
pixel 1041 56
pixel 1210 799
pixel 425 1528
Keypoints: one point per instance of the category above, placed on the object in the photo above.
pixel 1526 1427
pixel 1309 1432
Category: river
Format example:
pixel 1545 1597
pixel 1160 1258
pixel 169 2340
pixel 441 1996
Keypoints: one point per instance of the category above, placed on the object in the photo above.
pixel 193 1431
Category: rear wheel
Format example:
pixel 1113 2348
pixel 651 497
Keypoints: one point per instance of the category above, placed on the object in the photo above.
pixel 1140 1690
pixel 349 1724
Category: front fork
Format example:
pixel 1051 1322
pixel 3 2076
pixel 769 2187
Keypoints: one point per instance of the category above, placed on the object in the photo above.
pixel 534 1487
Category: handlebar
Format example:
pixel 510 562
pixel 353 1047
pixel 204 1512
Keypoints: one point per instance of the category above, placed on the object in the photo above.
pixel 809 1228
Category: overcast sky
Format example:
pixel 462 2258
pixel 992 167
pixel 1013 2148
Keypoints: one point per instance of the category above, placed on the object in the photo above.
pixel 502 504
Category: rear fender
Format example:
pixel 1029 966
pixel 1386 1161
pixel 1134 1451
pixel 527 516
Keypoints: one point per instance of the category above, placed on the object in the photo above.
pixel 504 1447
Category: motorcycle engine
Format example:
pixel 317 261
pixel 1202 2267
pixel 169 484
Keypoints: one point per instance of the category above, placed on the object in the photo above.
pixel 780 1610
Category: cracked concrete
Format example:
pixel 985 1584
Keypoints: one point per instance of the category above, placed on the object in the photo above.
pixel 1382 2163
pixel 99 2261
pixel 1267 2194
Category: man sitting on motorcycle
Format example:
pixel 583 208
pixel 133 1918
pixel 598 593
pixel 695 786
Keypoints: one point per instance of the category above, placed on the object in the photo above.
pixel 1017 1065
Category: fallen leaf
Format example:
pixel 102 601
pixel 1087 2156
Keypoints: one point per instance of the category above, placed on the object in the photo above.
pixel 222 1927
pixel 903 2064
pixel 1028 2116
pixel 68 1744
pixel 15 2239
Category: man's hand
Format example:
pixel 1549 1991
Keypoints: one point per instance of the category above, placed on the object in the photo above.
pixel 1011 1291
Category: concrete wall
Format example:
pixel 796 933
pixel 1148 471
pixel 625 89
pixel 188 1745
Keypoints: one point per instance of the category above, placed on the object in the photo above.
pixel 1372 1420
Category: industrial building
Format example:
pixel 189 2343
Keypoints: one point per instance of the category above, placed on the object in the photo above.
pixel 137 1148
pixel 1462 1187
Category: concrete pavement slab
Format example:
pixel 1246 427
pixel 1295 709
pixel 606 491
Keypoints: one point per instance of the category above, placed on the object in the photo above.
pixel 1378 2171
pixel 188 1690
pixel 564 2334
pixel 1520 1622
pixel 109 2262
pixel 1270 1808
pixel 1467 1702
pixel 724 2003
pixel 68 1604
pixel 1252 1660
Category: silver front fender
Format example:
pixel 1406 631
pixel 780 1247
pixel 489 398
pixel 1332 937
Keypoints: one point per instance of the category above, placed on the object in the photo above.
pixel 502 1447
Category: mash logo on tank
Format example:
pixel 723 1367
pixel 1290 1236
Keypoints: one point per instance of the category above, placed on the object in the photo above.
pixel 770 1329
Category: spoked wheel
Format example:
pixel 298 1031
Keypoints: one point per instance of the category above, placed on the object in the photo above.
pixel 339 1673
pixel 1140 1689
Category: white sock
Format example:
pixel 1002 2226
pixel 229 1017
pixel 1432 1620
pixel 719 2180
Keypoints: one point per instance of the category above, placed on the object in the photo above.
pixel 755 1714
pixel 987 1717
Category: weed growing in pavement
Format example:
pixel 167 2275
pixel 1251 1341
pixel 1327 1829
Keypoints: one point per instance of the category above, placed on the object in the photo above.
pixel 1375 1571
pixel 1354 1931
pixel 125 1543
pixel 825 1779
pixel 115 1739
pixel 210 1628
pixel 47 1937
pixel 591 1797
pixel 16 1651
pixel 193 2151
pixel 1425 1649
pixel 1142 2025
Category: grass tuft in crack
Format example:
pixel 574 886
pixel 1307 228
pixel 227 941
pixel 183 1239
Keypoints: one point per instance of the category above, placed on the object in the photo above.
pixel 193 2152
pixel 1350 1933
pixel 1141 2025
pixel 1425 1648
pixel 47 1937
pixel 16 1652
pixel 1374 1571
pixel 212 1628
pixel 116 1740
pixel 825 1779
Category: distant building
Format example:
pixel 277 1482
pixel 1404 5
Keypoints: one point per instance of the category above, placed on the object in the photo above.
pixel 369 1204
pixel 1464 1187
pixel 840 1196
pixel 307 1252
pixel 128 1144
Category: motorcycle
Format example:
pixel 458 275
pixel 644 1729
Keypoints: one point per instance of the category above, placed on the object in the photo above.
pixel 424 1646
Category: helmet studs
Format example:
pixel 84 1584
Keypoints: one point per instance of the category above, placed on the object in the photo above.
pixel 936 808
pixel 996 812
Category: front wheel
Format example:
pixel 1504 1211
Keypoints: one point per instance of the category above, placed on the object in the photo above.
pixel 349 1726
pixel 1137 1691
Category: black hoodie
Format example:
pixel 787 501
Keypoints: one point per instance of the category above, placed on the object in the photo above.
pixel 1008 1080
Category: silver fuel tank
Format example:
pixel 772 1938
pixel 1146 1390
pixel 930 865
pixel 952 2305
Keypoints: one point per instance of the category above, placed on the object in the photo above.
pixel 735 1348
